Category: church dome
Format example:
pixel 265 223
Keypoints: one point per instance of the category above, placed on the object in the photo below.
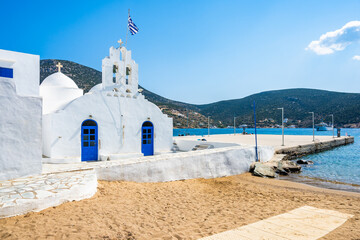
pixel 96 88
pixel 58 80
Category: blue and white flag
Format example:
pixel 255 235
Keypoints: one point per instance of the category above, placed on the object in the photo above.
pixel 132 27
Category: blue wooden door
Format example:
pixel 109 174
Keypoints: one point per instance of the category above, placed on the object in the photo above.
pixel 147 139
pixel 89 141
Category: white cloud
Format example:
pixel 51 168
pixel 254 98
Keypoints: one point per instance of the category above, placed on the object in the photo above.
pixel 337 40
pixel 356 57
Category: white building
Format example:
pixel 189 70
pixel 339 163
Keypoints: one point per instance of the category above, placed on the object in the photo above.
pixel 20 115
pixel 112 121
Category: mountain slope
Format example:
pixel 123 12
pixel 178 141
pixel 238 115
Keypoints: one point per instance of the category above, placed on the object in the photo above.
pixel 296 102
pixel 86 78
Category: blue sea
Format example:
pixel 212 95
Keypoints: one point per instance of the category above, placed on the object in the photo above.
pixel 338 168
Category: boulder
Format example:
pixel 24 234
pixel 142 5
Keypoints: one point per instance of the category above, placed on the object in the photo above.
pixel 252 167
pixel 301 161
pixel 272 164
pixel 290 166
pixel 280 170
pixel 263 170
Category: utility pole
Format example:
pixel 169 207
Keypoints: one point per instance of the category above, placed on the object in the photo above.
pixel 313 122
pixel 187 111
pixel 208 126
pixel 332 118
pixel 282 125
pixel 234 125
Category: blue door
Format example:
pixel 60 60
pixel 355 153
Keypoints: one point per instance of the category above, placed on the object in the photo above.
pixel 147 139
pixel 89 141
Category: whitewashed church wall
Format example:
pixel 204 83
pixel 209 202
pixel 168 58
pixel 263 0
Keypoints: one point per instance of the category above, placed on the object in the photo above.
pixel 25 70
pixel 119 122
pixel 46 135
pixel 107 73
pixel 20 132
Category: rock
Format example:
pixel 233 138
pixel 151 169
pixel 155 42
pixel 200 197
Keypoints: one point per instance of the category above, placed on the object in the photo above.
pixel 301 161
pixel 280 170
pixel 290 166
pixel 252 167
pixel 263 170
pixel 273 164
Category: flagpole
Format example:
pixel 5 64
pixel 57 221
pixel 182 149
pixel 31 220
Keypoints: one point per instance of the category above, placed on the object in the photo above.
pixel 127 30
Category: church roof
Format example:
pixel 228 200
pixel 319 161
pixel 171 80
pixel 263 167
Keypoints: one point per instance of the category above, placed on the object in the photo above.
pixel 58 79
pixel 95 88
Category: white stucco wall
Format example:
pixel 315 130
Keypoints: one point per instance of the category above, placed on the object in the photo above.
pixel 20 132
pixel 119 122
pixel 188 145
pixel 211 163
pixel 26 69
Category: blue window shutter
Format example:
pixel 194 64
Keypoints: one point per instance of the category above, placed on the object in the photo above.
pixel 6 72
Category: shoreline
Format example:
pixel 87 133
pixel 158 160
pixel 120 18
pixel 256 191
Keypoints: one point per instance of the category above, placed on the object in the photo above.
pixel 296 146
pixel 295 153
pixel 322 183
pixel 188 209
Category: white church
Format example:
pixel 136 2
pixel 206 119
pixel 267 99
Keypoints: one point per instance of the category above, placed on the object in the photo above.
pixel 56 123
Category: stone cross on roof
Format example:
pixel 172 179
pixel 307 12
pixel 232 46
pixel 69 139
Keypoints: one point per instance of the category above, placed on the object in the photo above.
pixel 59 66
pixel 120 42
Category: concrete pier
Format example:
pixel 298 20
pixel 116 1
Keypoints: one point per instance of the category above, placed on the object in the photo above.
pixel 315 147
pixel 295 145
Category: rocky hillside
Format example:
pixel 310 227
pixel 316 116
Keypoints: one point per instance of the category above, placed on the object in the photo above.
pixel 86 78
pixel 297 103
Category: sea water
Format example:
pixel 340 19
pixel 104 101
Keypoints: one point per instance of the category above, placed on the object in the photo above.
pixel 338 168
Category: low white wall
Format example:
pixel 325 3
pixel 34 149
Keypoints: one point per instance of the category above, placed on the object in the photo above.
pixel 210 163
pixel 188 145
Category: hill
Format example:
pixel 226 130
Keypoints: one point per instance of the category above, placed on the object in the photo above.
pixel 86 78
pixel 296 102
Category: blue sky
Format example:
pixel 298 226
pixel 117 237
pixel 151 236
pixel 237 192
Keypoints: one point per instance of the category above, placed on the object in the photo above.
pixel 199 51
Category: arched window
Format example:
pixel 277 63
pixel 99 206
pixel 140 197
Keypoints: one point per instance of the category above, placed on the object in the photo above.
pixel 128 75
pixel 147 124
pixel 115 70
pixel 89 123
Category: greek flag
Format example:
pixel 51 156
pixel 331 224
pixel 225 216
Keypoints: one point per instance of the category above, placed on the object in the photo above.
pixel 132 27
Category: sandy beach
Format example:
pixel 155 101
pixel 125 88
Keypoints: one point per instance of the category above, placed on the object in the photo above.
pixel 187 209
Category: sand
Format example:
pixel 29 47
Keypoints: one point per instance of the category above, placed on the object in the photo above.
pixel 179 210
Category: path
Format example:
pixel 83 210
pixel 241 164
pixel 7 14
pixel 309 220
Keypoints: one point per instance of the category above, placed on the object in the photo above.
pixel 306 223
pixel 36 193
